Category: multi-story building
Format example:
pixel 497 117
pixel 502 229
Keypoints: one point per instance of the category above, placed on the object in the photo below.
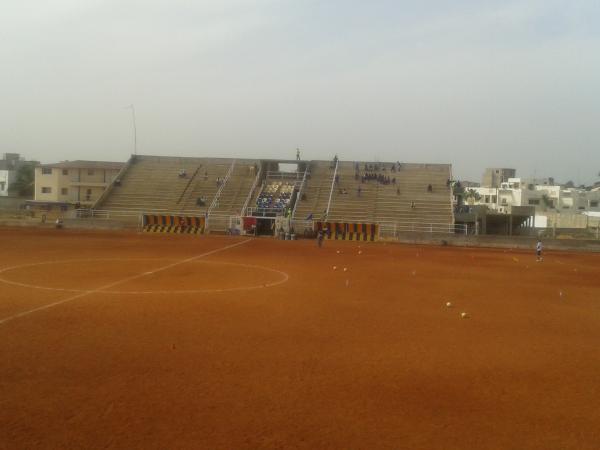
pixel 544 197
pixel 493 177
pixel 74 182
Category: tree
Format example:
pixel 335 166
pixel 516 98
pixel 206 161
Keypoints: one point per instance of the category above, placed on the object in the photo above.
pixel 569 184
pixel 472 193
pixel 24 185
pixel 548 202
pixel 459 191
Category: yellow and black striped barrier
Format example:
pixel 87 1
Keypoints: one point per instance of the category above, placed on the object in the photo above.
pixel 158 223
pixel 346 231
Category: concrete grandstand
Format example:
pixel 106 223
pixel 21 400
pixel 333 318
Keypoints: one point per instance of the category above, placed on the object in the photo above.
pixel 398 196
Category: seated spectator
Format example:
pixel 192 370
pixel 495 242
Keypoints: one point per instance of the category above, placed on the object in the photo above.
pixel 182 173
pixel 117 182
pixel 59 222
pixel 200 201
pixel 429 188
pixel 398 191
pixel 412 205
pixel 303 196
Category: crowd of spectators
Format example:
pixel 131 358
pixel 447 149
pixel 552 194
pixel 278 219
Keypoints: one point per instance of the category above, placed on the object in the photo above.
pixel 379 177
pixel 275 196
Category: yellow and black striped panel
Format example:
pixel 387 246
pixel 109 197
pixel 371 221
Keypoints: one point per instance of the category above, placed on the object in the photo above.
pixel 349 231
pixel 173 224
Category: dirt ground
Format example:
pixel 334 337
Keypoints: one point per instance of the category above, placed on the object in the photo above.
pixel 138 341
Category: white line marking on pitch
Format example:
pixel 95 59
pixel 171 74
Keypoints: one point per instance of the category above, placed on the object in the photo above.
pixel 116 283
pixel 284 278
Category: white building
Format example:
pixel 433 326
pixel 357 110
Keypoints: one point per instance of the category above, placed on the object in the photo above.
pixel 549 200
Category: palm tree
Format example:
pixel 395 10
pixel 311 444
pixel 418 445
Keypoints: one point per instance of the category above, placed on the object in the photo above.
pixel 472 193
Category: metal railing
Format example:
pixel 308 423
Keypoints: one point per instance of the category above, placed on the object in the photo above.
pixel 337 162
pixel 256 211
pixel 188 184
pixel 251 193
pixel 218 193
pixel 299 194
pixel 393 229
pixel 276 175
pixel 111 186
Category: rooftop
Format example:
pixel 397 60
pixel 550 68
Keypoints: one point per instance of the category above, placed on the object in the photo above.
pixel 79 164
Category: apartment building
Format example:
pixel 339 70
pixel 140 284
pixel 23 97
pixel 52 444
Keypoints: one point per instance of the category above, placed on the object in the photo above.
pixel 74 182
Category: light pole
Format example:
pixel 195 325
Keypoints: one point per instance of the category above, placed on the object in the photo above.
pixel 134 128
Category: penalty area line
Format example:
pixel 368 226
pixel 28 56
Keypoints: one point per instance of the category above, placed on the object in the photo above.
pixel 116 283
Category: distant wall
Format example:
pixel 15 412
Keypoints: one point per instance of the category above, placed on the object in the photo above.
pixel 11 203
pixel 513 242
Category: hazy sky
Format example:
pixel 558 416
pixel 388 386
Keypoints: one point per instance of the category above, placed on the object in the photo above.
pixel 474 83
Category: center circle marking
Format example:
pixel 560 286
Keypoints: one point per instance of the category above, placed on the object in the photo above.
pixel 283 277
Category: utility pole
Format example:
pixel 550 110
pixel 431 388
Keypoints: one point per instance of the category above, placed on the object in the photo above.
pixel 134 128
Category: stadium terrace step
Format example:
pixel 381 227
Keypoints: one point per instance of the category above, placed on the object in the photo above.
pixel 410 193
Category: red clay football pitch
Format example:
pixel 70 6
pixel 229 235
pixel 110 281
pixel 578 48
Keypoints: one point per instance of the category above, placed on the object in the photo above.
pixel 124 340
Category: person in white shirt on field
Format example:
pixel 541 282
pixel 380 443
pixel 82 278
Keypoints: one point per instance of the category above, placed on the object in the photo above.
pixel 538 251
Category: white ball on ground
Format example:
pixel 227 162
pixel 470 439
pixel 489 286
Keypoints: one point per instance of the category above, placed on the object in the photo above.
pixel 334 267
pixel 345 269
pixel 360 252
pixel 464 315
pixel 338 252
pixel 448 304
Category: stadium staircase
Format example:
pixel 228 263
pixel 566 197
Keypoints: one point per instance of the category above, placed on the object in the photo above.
pixel 316 189
pixel 152 184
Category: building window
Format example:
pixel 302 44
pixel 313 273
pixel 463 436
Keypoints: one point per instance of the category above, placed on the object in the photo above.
pixel 46 171
pixel 90 171
pixel 65 171
pixel 594 204
pixel 46 190
pixel 493 199
pixel 534 201
pixel 581 207
pixel 64 191
pixel 2 185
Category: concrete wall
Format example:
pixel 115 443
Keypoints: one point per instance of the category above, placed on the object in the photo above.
pixel 513 242
pixel 570 220
pixel 11 203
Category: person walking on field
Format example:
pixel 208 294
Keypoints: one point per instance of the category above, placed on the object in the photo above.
pixel 538 251
pixel 320 238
